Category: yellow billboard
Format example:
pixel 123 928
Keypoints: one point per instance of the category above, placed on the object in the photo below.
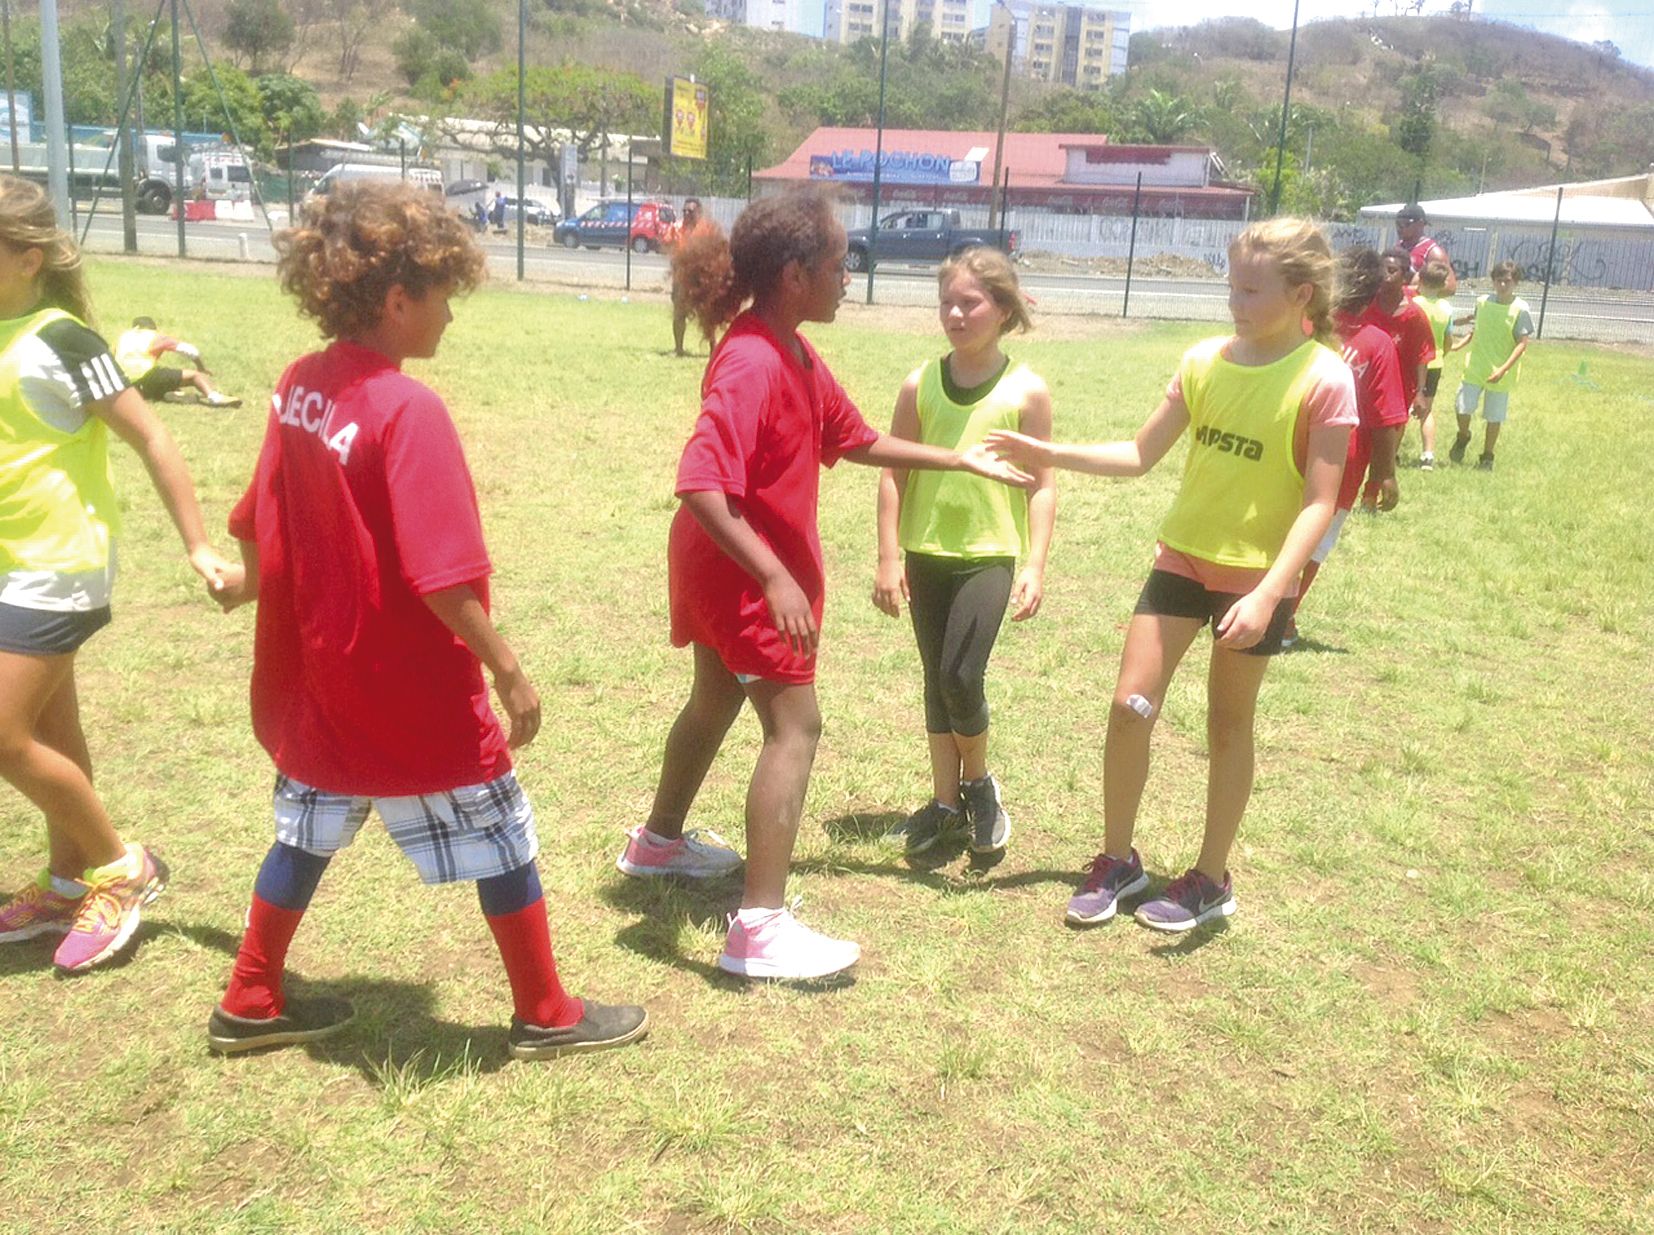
pixel 687 107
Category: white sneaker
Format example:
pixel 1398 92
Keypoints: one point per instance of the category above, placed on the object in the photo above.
pixel 694 855
pixel 781 946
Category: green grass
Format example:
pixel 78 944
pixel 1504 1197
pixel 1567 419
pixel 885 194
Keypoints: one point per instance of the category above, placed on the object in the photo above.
pixel 1431 1012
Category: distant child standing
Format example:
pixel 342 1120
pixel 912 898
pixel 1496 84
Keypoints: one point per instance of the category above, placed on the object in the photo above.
pixel 962 536
pixel 1405 321
pixel 1380 402
pixel 1437 304
pixel 363 547
pixel 1500 330
pixel 61 394
pixel 744 560
pixel 1271 412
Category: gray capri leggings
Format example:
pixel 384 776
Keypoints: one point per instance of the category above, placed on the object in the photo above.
pixel 957 605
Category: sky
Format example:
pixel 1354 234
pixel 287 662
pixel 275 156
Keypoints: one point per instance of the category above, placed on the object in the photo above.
pixel 1629 24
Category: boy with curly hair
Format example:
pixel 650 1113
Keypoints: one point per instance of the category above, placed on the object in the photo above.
pixel 362 543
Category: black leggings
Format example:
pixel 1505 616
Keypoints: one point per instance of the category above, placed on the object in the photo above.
pixel 957 605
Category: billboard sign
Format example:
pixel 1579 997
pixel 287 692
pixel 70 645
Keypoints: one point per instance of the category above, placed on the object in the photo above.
pixel 688 107
pixel 895 167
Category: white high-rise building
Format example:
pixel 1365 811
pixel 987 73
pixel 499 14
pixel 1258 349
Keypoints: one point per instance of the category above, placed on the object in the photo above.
pixel 849 20
pixel 1066 43
pixel 785 15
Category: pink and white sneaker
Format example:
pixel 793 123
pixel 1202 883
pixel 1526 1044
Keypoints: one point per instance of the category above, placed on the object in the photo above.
pixel 694 855
pixel 37 910
pixel 113 907
pixel 774 944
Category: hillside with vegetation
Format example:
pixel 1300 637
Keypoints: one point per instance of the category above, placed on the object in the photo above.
pixel 1379 106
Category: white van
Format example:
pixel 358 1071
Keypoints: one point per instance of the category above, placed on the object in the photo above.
pixel 219 173
pixel 349 173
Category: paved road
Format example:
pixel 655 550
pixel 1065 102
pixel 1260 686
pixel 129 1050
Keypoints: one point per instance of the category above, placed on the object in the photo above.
pixel 1583 313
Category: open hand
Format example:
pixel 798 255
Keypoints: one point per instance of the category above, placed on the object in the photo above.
pixel 790 611
pixel 1027 594
pixel 889 588
pixel 1019 448
pixel 983 461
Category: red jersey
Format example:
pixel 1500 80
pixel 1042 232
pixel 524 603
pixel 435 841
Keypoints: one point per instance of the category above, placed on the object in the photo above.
pixel 1380 398
pixel 768 423
pixel 1420 253
pixel 362 505
pixel 1409 329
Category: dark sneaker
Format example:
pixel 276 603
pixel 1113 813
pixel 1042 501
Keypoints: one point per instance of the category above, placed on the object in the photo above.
pixel 924 827
pixel 990 825
pixel 599 1029
pixel 1456 453
pixel 1427 463
pixel 1188 900
pixel 1485 463
pixel 1108 880
pixel 1289 637
pixel 302 1020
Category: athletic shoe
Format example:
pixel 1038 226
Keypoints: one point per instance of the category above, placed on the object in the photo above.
pixel 219 399
pixel 924 827
pixel 1289 637
pixel 37 910
pixel 1455 453
pixel 694 855
pixel 1427 463
pixel 111 910
pixel 1485 463
pixel 783 947
pixel 601 1028
pixel 302 1020
pixel 990 825
pixel 1188 900
pixel 1108 881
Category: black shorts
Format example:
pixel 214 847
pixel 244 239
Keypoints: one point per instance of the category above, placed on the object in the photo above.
pixel 1432 379
pixel 48 632
pixel 161 380
pixel 1169 595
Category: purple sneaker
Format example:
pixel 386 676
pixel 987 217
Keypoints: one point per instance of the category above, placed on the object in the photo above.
pixel 1108 880
pixel 1188 900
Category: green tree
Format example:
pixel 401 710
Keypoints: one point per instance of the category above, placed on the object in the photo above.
pixel 1069 111
pixel 591 103
pixel 240 110
pixel 292 109
pixel 469 27
pixel 426 64
pixel 736 128
pixel 257 30
pixel 1162 117
pixel 1415 126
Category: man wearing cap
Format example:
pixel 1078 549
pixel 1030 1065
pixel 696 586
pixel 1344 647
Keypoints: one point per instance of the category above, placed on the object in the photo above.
pixel 1410 224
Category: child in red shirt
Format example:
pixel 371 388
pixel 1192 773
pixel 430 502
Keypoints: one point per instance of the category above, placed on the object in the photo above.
pixel 362 543
pixel 1380 401
pixel 744 559
pixel 1408 326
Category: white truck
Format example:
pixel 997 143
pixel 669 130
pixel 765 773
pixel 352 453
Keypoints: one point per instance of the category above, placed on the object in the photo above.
pixel 154 161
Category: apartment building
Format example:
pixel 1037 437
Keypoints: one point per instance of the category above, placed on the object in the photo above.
pixel 845 21
pixel 1067 44
pixel 785 15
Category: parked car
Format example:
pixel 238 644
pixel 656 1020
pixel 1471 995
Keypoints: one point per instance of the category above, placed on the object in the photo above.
pixel 924 236
pixel 346 173
pixel 535 213
pixel 606 224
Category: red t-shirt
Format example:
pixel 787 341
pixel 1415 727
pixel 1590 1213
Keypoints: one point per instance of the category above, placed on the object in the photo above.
pixel 362 505
pixel 767 424
pixel 1380 397
pixel 1409 329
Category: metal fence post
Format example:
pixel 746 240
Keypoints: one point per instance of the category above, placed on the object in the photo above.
pixel 1550 261
pixel 1131 245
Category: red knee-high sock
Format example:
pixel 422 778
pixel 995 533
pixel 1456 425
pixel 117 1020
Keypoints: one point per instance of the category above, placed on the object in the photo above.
pixel 1311 569
pixel 524 940
pixel 255 985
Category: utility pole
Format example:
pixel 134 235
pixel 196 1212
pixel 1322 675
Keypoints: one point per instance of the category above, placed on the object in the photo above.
pixel 1286 111
pixel 123 136
pixel 1004 109
pixel 11 82
pixel 51 75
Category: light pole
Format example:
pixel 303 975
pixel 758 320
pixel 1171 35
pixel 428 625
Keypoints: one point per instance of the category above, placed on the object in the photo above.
pixel 1004 110
pixel 878 149
pixel 522 65
pixel 1286 110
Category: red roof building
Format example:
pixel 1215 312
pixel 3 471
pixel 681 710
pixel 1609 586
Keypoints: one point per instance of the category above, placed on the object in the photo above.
pixel 1082 173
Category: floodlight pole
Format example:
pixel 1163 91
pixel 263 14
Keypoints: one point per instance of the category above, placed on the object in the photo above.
pixel 522 98
pixel 11 82
pixel 123 137
pixel 1004 107
pixel 1286 111
pixel 177 130
pixel 51 81
pixel 878 150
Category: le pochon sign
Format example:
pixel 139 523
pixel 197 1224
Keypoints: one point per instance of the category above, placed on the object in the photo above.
pixel 899 166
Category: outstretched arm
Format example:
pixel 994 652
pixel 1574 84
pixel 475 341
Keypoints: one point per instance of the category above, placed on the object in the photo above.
pixel 1130 458
pixel 131 420
pixel 895 452
pixel 459 609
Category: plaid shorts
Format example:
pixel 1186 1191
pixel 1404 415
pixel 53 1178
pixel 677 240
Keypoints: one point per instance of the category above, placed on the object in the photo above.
pixel 473 832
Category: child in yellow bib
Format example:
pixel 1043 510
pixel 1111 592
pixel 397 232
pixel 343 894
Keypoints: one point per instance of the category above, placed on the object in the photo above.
pixel 1269 412
pixel 61 393
pixel 1500 330
pixel 962 536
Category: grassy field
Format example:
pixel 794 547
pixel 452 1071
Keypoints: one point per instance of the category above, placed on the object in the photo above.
pixel 1431 1012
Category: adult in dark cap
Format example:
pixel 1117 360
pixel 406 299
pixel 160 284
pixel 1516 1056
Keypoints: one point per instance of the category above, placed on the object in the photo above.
pixel 1410 228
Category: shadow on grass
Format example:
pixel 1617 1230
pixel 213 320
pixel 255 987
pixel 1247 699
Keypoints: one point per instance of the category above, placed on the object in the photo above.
pixel 668 907
pixel 860 826
pixel 1306 645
